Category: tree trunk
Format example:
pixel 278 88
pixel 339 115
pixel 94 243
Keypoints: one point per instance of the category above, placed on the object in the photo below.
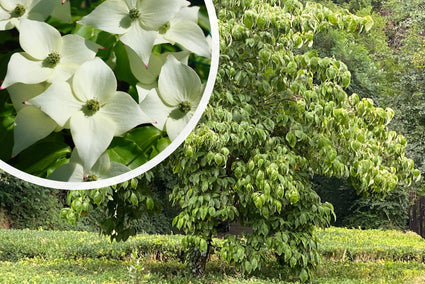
pixel 4 220
pixel 416 213
pixel 199 260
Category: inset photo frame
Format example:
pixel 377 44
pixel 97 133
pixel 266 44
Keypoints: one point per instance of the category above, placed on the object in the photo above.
pixel 95 93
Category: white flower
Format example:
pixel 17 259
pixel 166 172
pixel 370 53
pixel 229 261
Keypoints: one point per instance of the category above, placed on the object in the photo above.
pixel 75 172
pixel 12 11
pixel 179 93
pixel 93 109
pixel 136 21
pixel 31 124
pixel 48 56
pixel 184 30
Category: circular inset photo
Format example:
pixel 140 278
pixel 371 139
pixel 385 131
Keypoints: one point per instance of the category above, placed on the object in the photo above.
pixel 97 92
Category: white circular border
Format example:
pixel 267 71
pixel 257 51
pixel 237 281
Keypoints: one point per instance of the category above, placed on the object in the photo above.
pixel 163 154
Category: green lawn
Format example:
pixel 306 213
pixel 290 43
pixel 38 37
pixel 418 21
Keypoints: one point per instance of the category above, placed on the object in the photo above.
pixel 350 256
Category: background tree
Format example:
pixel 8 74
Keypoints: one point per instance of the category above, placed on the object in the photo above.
pixel 385 65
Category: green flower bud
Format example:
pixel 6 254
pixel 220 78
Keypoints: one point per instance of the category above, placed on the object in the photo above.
pixel 185 107
pixel 18 11
pixel 52 59
pixel 134 14
pixel 93 106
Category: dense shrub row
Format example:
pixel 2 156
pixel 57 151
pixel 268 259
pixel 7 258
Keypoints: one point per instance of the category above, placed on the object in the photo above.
pixel 17 244
pixel 334 243
pixel 371 245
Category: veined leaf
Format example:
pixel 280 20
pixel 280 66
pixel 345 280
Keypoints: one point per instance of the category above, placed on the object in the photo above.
pixel 42 156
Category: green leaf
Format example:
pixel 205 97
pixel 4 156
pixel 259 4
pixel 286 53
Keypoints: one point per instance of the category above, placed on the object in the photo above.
pixel 179 223
pixel 133 198
pixel 149 203
pixel 7 119
pixel 248 267
pixel 203 19
pixel 97 198
pixel 133 183
pixel 203 245
pixel 291 138
pixel 204 212
pixel 122 70
pixel 303 275
pixel 87 32
pixel 333 19
pixel 240 254
pixel 144 136
pixel 41 156
pixel 126 152
pixel 294 196
pixel 369 23
pixel 162 144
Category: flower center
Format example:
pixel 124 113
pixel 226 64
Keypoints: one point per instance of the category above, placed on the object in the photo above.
pixel 52 59
pixel 134 14
pixel 185 107
pixel 164 28
pixel 93 106
pixel 18 11
pixel 90 177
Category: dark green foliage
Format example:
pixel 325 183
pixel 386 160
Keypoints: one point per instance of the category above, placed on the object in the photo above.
pixel 160 223
pixel 389 212
pixel 366 212
pixel 25 205
pixel 340 194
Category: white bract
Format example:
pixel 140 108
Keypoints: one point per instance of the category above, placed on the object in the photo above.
pixel 31 124
pixel 74 171
pixel 137 22
pixel 48 56
pixel 173 103
pixel 184 30
pixel 93 109
pixel 12 11
pixel 148 77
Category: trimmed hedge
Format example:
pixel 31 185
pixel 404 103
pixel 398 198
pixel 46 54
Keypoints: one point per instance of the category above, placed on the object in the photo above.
pixel 334 243
pixel 80 257
pixel 371 245
pixel 41 271
pixel 18 244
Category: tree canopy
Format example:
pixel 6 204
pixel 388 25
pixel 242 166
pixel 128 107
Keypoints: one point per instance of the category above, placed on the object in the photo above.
pixel 279 115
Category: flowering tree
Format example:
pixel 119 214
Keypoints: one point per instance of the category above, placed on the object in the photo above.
pixel 80 100
pixel 279 115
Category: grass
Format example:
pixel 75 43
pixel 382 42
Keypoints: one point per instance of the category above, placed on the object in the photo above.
pixel 350 256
